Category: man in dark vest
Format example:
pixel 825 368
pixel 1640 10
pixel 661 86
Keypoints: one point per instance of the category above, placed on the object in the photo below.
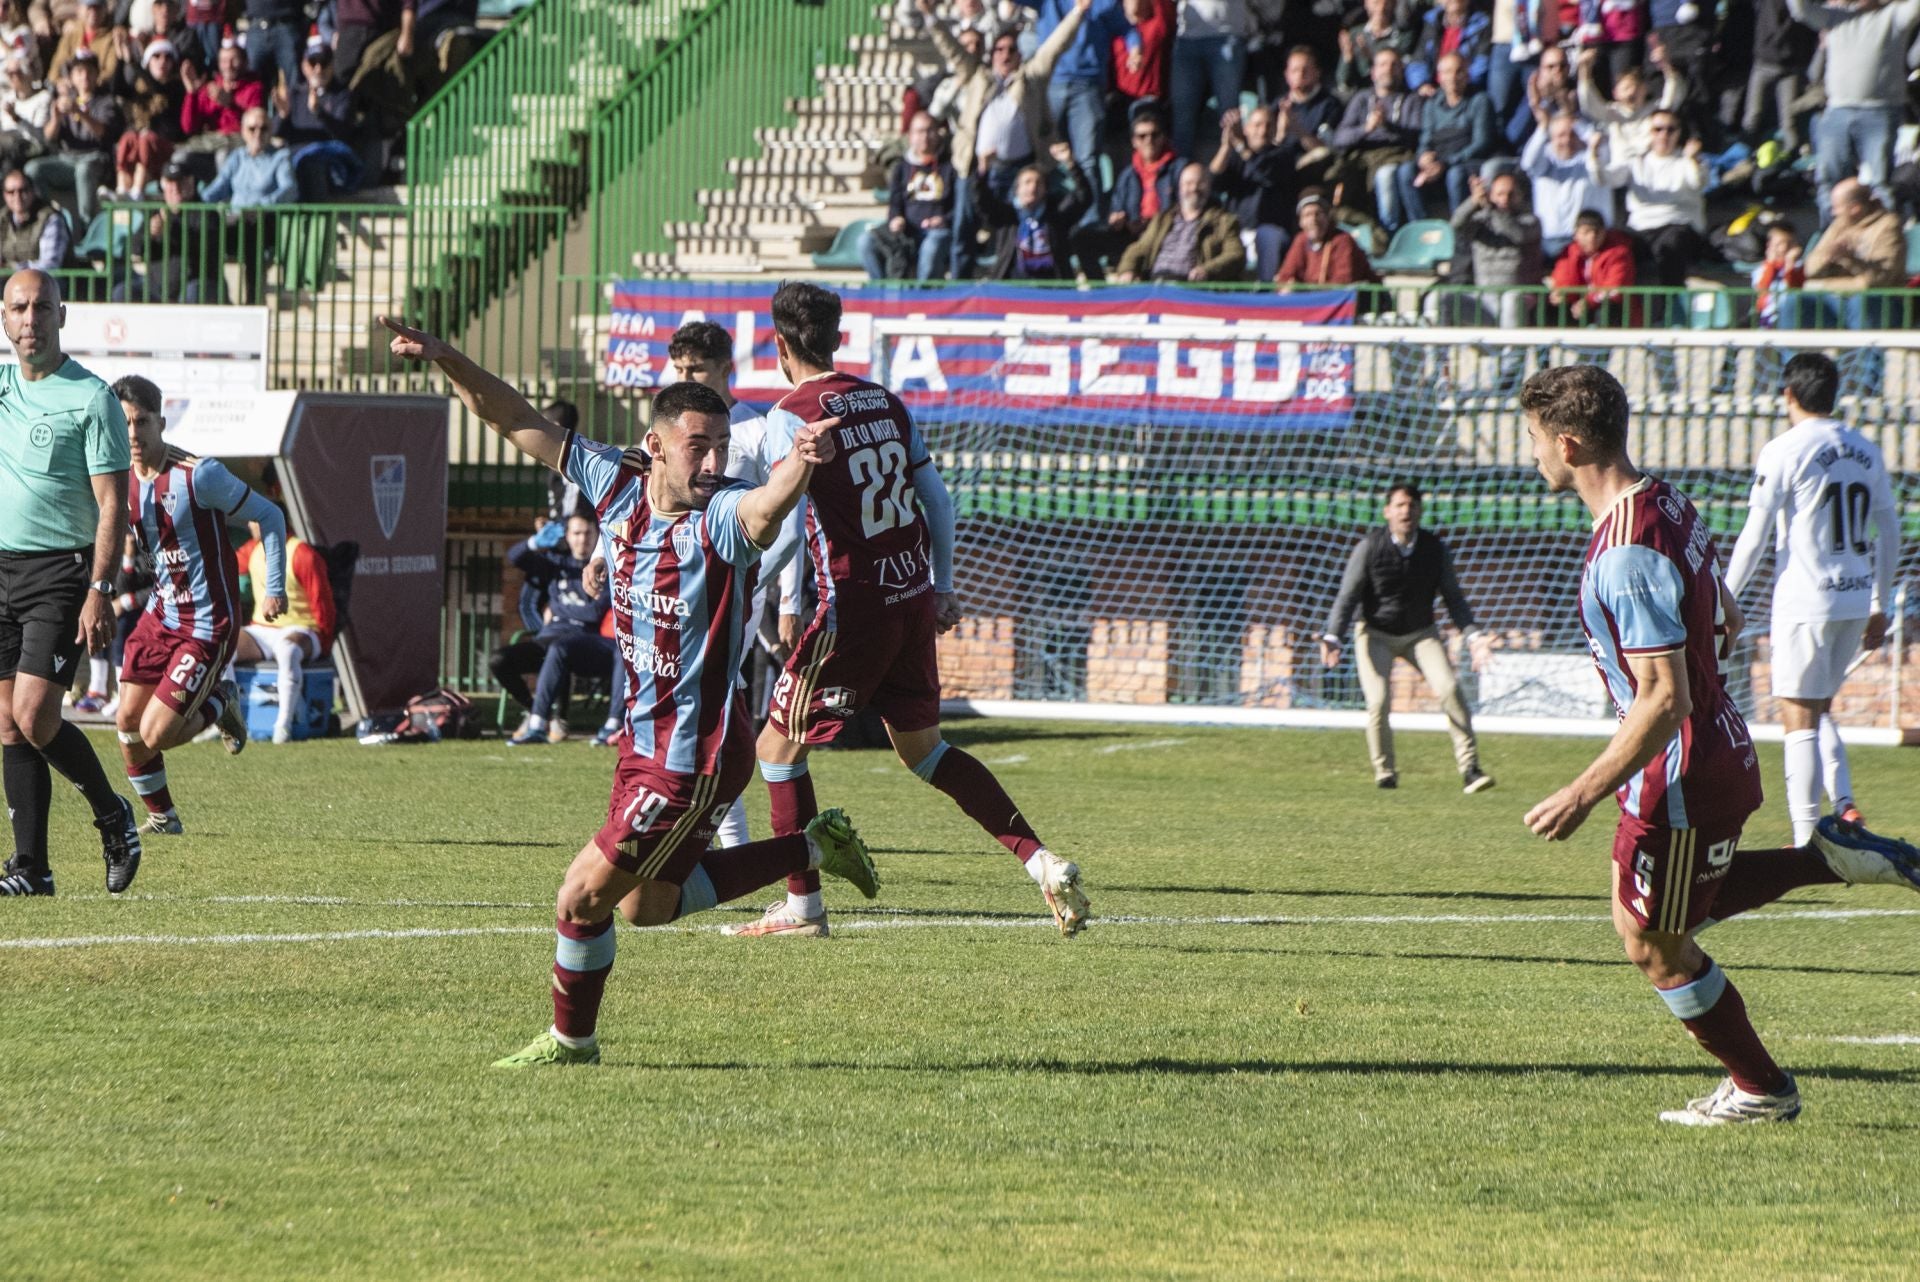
pixel 1392 576
pixel 33 234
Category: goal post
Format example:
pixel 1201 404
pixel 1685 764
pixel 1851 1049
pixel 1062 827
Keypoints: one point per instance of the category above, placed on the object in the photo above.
pixel 1154 513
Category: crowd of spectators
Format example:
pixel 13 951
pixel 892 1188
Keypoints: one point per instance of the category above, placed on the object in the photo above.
pixel 248 104
pixel 1592 146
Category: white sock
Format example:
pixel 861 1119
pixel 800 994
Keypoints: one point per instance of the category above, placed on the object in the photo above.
pixel 571 1043
pixel 1833 764
pixel 733 829
pixel 1036 866
pixel 535 724
pixel 807 905
pixel 1803 783
pixel 97 673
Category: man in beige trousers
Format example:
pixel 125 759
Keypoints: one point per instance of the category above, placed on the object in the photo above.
pixel 1392 576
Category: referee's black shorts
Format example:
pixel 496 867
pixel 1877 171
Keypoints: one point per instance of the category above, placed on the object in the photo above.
pixel 40 598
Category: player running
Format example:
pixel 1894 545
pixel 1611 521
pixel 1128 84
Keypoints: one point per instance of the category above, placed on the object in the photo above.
pixel 1818 489
pixel 171 682
pixel 682 543
pixel 1681 765
pixel 878 528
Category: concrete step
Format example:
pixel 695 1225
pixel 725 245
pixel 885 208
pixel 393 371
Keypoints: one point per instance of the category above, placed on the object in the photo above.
pixel 853 169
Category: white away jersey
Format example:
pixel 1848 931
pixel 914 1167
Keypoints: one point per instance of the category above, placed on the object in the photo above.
pixel 1821 490
pixel 746 445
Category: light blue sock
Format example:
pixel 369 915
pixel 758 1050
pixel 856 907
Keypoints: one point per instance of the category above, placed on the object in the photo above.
pixel 696 895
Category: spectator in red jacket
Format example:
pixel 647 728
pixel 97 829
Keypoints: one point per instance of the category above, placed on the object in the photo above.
pixel 1140 56
pixel 1322 254
pixel 1591 274
pixel 211 114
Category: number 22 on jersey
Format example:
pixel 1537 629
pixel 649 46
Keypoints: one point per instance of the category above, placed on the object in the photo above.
pixel 886 495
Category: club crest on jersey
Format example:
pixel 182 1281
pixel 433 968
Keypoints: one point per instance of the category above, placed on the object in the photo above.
pixel 1671 506
pixel 389 490
pixel 683 540
pixel 170 501
pixel 834 404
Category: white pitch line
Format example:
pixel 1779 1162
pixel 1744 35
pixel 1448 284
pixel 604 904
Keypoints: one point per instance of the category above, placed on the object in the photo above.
pixel 923 923
pixel 1143 746
pixel 1885 1039
pixel 1017 759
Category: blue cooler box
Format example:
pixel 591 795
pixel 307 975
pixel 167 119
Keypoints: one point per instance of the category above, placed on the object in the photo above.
pixel 260 688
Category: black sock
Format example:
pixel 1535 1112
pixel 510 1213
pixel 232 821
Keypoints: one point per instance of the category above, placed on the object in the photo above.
pixel 70 753
pixel 29 787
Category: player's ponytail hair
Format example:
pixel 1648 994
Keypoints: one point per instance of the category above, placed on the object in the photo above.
pixel 807 317
pixel 138 391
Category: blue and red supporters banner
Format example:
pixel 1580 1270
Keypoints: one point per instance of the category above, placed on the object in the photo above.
pixel 1257 383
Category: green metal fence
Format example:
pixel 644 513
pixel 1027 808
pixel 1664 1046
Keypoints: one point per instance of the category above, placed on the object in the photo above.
pixel 670 133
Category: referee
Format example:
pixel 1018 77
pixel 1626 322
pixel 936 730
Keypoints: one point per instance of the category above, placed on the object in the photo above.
pixel 64 457
pixel 1392 576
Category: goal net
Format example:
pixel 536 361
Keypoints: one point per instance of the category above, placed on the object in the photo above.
pixel 1154 516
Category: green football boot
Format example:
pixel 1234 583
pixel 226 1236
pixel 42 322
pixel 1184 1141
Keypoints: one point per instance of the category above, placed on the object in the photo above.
pixel 547 1049
pixel 842 853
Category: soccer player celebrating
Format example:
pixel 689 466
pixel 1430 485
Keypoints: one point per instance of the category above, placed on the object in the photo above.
pixel 63 527
pixel 1817 490
pixel 1681 764
pixel 682 544
pixel 171 683
pixel 879 533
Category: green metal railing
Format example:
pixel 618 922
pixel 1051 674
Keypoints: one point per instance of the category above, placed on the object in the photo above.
pixel 559 57
pixel 671 132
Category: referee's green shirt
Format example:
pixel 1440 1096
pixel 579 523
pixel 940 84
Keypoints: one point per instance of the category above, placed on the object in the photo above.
pixel 55 433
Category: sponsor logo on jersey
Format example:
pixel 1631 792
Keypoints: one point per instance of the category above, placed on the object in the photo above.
pixel 656 602
pixel 1671 507
pixel 170 557
pixel 389 490
pixel 649 660
pixel 837 701
pixel 834 404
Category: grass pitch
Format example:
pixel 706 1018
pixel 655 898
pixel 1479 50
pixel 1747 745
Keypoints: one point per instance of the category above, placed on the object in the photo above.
pixel 1323 1032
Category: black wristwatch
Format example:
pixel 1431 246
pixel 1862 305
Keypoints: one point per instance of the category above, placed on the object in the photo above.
pixel 103 586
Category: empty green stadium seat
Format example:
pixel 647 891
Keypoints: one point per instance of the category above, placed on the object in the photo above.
pixel 1709 309
pixel 1420 246
pixel 844 253
pixel 1913 250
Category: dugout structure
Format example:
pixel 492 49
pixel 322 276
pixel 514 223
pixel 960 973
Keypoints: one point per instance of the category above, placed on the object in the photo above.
pixel 366 478
pixel 1152 526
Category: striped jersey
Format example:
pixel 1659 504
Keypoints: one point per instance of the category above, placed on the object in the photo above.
pixel 179 520
pixel 681 584
pixel 1651 586
pixel 865 535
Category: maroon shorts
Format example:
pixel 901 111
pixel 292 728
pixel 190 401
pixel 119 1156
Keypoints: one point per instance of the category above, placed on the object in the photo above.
pixel 1667 878
pixel 886 661
pixel 659 822
pixel 181 670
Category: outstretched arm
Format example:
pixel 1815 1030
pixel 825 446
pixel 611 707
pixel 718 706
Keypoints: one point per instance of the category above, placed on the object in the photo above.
pixel 764 510
pixel 491 400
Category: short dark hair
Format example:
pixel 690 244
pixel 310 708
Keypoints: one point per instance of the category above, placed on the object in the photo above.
pixel 1305 51
pixel 703 339
pixel 1814 380
pixel 1579 400
pixel 808 318
pixel 139 391
pixel 1590 218
pixel 1407 488
pixel 676 399
pixel 563 414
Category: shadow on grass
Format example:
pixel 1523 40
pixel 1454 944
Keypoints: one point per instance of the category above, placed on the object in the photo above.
pixel 1260 1066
